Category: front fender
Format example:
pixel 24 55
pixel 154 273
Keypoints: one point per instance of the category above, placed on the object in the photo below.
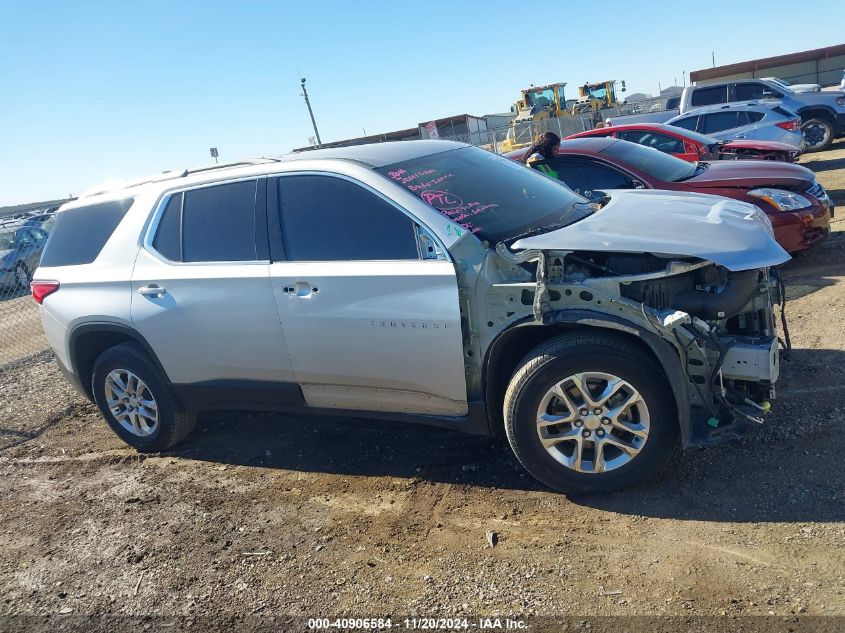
pixel 665 353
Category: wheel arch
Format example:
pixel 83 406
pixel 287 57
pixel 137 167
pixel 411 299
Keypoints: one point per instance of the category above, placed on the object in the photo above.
pixel 88 340
pixel 512 344
pixel 808 112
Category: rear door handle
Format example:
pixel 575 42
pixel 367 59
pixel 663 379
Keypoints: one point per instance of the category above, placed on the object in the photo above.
pixel 151 291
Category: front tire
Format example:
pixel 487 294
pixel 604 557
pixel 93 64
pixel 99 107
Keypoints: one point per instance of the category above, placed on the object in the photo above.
pixel 818 133
pixel 590 412
pixel 136 401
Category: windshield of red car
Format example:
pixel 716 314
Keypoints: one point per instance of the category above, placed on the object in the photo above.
pixel 650 161
pixel 495 198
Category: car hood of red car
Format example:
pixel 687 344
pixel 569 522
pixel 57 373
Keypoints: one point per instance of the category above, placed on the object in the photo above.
pixel 752 173
pixel 770 146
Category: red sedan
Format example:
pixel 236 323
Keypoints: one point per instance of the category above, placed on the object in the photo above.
pixel 797 205
pixel 693 146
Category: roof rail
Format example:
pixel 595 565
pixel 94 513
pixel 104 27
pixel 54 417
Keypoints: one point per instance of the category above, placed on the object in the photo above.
pixel 172 175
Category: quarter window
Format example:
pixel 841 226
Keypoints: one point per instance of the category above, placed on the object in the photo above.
pixel 689 123
pixel 331 219
pixel 80 234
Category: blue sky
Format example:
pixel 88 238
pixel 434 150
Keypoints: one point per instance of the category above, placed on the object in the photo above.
pixel 94 91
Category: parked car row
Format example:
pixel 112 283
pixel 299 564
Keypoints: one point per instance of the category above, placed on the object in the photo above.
pixel 717 109
pixel 790 195
pixel 439 283
pixel 21 242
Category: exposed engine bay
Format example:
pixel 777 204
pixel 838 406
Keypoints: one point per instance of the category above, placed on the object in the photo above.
pixel 720 322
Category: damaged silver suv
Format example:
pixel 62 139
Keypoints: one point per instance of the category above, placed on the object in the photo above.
pixel 427 281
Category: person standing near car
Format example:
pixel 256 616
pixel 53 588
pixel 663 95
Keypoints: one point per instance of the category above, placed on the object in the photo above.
pixel 544 148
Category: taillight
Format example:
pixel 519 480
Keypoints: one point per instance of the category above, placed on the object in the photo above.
pixel 792 125
pixel 42 289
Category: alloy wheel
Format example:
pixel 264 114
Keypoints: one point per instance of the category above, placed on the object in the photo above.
pixel 593 422
pixel 815 134
pixel 131 402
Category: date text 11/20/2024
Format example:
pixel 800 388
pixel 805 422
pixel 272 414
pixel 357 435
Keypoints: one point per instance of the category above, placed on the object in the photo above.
pixel 417 624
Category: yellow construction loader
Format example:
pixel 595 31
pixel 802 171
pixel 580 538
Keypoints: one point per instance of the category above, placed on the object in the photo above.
pixel 596 96
pixel 537 103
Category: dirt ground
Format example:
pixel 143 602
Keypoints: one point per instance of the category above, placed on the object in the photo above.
pixel 268 515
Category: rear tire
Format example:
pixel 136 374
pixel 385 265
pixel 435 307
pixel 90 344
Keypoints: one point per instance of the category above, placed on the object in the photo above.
pixel 818 133
pixel 136 401
pixel 611 447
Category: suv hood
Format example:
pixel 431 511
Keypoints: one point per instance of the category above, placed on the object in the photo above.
pixel 727 232
pixel 748 174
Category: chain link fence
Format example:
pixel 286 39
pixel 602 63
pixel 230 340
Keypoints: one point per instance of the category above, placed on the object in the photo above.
pixel 22 239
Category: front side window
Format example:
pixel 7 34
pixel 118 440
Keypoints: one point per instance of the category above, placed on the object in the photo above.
pixel 710 96
pixel 585 176
pixel 493 197
pixel 211 224
pixel 325 218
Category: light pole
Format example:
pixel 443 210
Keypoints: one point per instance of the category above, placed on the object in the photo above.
pixel 311 113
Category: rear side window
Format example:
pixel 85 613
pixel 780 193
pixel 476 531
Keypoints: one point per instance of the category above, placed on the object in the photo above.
pixel 719 121
pixel 753 117
pixel 710 96
pixel 330 219
pixel 211 224
pixel 80 234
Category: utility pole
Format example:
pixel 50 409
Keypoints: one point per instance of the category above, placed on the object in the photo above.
pixel 714 58
pixel 310 112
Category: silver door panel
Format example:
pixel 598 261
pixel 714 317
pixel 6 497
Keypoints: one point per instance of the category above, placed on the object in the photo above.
pixel 362 332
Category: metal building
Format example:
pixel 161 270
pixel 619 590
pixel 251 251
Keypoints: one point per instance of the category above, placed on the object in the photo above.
pixel 823 66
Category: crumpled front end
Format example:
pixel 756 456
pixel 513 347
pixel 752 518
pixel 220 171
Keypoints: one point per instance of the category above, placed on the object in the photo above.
pixel 719 324
pixel 700 290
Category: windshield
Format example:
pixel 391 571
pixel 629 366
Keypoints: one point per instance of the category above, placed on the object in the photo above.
pixel 651 161
pixel 495 198
pixel 540 97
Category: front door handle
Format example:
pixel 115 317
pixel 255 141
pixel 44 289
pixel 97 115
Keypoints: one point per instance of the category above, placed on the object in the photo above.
pixel 152 290
pixel 300 289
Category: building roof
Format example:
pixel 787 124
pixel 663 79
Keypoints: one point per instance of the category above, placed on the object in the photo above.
pixel 766 62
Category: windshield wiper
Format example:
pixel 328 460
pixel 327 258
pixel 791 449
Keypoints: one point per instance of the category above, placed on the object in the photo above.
pixel 587 208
